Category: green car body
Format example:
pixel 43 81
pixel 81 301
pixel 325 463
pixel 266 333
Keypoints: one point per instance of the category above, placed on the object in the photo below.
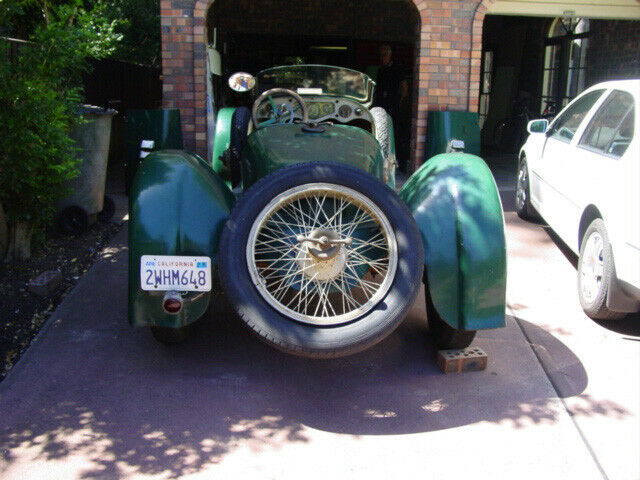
pixel 179 204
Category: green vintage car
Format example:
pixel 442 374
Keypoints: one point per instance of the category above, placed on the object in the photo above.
pixel 297 219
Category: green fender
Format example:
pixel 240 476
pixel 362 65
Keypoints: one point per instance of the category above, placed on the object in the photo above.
pixel 178 206
pixel 455 202
pixel 221 142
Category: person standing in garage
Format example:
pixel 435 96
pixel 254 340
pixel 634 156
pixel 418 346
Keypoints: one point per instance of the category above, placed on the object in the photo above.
pixel 392 87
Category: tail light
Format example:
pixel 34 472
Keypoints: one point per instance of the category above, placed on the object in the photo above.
pixel 172 303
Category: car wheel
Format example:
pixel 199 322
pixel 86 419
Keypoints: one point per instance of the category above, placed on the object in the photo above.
pixel 383 135
pixel 73 220
pixel 382 130
pixel 239 127
pixel 444 336
pixel 595 272
pixel 170 336
pixel 108 209
pixel 321 260
pixel 524 209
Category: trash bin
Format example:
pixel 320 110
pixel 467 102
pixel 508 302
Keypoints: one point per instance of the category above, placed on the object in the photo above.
pixel 445 126
pixel 147 131
pixel 87 200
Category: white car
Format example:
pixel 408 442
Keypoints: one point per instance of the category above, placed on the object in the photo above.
pixel 581 173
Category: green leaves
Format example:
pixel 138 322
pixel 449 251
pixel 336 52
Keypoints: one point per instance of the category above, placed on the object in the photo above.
pixel 39 98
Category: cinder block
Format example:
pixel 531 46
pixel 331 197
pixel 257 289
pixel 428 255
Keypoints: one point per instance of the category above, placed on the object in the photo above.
pixel 45 283
pixel 470 359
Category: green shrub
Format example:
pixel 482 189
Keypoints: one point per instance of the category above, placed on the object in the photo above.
pixel 39 99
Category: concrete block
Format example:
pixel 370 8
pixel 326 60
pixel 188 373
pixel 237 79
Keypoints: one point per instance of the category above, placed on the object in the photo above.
pixel 45 283
pixel 470 359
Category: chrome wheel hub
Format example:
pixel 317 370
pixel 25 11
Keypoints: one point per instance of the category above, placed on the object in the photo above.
pixel 521 188
pixel 592 267
pixel 321 259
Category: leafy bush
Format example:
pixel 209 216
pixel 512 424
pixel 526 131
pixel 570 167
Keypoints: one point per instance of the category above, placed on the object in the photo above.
pixel 39 99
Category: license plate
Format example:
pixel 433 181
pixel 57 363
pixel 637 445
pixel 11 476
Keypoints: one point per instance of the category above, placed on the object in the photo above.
pixel 184 274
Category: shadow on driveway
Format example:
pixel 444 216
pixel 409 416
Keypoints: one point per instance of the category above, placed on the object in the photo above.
pixel 95 388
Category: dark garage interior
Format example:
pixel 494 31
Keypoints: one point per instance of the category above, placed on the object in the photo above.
pixel 332 32
pixel 533 66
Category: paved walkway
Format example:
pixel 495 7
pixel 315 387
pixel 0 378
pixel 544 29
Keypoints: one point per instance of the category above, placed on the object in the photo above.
pixel 93 398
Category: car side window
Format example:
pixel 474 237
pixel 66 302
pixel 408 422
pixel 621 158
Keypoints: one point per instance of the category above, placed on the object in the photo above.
pixel 565 127
pixel 611 129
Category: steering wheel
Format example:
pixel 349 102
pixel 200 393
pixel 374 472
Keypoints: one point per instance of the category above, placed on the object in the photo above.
pixel 279 114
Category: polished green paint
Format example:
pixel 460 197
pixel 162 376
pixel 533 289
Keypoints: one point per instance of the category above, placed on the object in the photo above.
pixel 455 202
pixel 271 148
pixel 160 125
pixel 445 126
pixel 221 142
pixel 178 206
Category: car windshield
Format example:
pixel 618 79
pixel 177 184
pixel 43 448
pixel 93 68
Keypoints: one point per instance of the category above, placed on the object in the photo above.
pixel 317 80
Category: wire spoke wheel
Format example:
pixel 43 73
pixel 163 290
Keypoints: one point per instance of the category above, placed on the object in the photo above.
pixel 322 254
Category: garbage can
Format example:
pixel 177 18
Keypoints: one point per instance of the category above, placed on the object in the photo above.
pixel 148 131
pixel 87 200
pixel 445 126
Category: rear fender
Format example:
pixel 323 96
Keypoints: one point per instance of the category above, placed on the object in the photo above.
pixel 178 206
pixel 222 142
pixel 455 202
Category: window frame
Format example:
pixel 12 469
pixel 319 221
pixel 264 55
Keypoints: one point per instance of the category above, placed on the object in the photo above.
pixel 603 104
pixel 580 129
pixel 556 89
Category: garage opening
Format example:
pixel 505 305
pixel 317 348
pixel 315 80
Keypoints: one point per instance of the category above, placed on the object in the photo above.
pixel 532 67
pixel 247 35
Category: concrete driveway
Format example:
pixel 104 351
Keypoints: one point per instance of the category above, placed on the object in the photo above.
pixel 93 398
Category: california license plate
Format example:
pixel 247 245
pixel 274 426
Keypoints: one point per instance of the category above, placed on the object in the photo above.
pixel 164 272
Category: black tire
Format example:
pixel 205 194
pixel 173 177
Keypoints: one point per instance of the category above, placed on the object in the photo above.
pixel 73 220
pixel 108 209
pixel 170 336
pixel 596 307
pixel 442 335
pixel 382 130
pixel 304 339
pixel 524 209
pixel 239 128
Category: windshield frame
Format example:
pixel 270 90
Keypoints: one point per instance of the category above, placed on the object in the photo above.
pixel 369 83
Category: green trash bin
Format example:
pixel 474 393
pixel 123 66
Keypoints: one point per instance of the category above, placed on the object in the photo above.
pixel 445 126
pixel 147 131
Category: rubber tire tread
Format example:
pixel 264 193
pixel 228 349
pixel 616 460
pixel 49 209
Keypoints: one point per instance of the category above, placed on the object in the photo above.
pixel 239 129
pixel 73 220
pixel 108 209
pixel 598 309
pixel 444 336
pixel 527 212
pixel 382 130
pixel 303 339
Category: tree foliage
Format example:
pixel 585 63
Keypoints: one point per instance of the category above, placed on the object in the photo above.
pixel 39 99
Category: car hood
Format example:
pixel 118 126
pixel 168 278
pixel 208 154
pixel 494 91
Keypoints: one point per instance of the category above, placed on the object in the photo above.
pixel 271 148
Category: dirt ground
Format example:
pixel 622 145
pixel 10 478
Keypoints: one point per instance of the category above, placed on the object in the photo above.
pixel 24 313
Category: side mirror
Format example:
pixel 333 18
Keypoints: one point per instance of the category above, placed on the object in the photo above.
pixel 242 82
pixel 538 126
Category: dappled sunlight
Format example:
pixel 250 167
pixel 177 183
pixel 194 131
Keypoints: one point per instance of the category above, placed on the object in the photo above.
pixel 209 399
pixel 109 253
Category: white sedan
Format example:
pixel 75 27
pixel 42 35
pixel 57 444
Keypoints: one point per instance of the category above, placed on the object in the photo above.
pixel 581 174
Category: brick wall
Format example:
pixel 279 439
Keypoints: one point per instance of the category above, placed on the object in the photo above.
pixel 614 50
pixel 446 75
